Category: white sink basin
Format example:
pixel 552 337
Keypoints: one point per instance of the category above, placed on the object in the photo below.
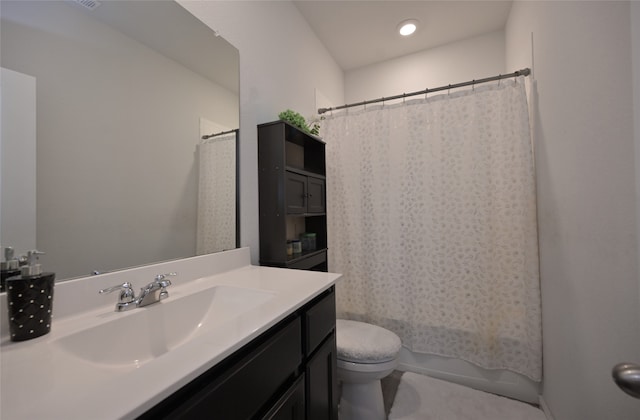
pixel 147 333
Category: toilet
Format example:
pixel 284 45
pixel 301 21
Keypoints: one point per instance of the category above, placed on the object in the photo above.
pixel 366 353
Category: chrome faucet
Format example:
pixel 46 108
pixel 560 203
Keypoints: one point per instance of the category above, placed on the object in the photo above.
pixel 155 291
pixel 151 293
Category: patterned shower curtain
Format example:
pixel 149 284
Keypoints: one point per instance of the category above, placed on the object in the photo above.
pixel 432 221
pixel 216 226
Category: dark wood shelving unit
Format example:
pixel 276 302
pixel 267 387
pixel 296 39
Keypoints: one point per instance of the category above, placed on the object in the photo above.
pixel 292 188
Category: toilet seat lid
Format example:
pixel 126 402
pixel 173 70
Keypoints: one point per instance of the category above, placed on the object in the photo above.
pixel 360 342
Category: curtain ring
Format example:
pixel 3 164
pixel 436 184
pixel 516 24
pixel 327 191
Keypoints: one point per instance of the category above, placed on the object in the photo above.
pixel 473 85
pixel 499 79
pixel 404 98
pixel 426 93
pixel 449 90
pixel 383 101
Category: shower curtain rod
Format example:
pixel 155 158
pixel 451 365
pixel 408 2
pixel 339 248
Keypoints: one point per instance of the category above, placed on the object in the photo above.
pixel 523 72
pixel 222 133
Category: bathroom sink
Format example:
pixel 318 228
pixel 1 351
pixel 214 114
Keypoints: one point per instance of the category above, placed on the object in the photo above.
pixel 144 334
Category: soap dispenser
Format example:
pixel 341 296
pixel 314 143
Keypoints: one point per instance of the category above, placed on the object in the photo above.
pixel 30 300
pixel 10 267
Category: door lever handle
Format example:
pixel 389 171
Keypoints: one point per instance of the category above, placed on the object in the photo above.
pixel 627 377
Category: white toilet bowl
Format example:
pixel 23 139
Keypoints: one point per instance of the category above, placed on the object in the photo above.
pixel 366 353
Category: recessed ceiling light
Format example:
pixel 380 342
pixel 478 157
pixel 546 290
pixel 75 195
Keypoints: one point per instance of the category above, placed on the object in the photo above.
pixel 408 27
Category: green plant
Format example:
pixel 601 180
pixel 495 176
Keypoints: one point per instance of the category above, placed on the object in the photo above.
pixel 294 119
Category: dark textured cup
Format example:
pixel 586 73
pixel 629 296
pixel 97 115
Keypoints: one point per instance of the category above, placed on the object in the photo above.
pixel 5 274
pixel 30 303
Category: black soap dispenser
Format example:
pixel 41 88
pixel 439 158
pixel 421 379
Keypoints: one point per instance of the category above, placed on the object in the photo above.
pixel 30 300
pixel 10 267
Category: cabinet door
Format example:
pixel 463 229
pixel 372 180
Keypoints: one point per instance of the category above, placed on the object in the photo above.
pixel 315 195
pixel 322 392
pixel 291 405
pixel 296 193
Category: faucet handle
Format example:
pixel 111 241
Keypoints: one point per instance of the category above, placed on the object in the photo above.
pixel 162 279
pixel 127 294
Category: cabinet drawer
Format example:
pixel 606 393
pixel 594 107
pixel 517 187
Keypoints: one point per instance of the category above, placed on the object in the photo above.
pixel 319 321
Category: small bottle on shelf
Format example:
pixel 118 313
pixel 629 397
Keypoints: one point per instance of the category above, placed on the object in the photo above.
pixel 297 246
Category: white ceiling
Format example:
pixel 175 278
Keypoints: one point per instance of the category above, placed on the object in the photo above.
pixel 358 33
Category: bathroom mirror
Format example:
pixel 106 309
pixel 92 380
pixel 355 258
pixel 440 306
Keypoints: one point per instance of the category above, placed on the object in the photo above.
pixel 124 91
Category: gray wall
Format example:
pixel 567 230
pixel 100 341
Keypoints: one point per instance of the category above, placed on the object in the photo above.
pixel 586 176
pixel 18 138
pixel 468 59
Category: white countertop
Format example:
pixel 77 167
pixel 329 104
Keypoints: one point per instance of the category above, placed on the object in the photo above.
pixel 39 380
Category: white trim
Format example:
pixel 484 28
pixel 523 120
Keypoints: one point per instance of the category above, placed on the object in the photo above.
pixel 545 408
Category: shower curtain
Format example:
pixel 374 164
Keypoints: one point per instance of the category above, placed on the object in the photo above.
pixel 216 225
pixel 432 221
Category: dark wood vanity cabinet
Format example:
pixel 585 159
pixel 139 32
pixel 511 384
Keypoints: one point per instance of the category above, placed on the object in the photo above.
pixel 291 183
pixel 287 373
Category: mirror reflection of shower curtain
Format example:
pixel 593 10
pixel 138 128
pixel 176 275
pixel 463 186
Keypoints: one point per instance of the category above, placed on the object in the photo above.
pixel 431 214
pixel 216 229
